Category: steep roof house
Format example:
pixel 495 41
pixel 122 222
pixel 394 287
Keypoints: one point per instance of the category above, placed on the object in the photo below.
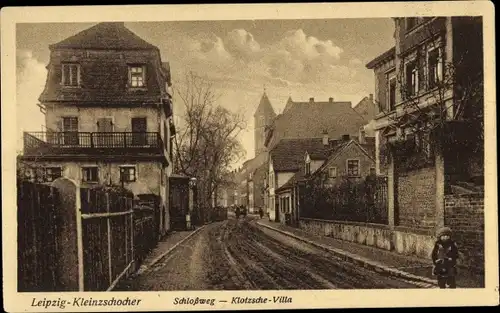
pixel 346 157
pixel 285 159
pixel 108 114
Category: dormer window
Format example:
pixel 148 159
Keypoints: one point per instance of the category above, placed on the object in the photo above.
pixel 137 76
pixel 70 74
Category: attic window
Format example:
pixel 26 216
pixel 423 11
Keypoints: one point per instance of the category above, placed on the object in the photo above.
pixel 70 74
pixel 136 75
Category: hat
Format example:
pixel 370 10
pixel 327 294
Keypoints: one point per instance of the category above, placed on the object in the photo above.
pixel 444 231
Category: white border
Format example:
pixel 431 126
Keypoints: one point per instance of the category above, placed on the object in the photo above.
pixel 301 299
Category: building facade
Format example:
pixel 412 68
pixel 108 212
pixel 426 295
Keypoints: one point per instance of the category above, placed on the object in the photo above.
pixel 108 114
pixel 285 160
pixel 429 96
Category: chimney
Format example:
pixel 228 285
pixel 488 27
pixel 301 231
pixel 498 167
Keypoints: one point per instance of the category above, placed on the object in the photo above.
pixel 330 99
pixel 371 97
pixel 311 100
pixel 346 137
pixel 362 135
pixel 325 138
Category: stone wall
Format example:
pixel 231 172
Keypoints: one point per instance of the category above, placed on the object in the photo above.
pixel 464 214
pixel 400 240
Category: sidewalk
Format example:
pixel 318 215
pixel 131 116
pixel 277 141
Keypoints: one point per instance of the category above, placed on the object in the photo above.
pixel 410 267
pixel 165 246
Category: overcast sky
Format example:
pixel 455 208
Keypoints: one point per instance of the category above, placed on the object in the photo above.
pixel 299 58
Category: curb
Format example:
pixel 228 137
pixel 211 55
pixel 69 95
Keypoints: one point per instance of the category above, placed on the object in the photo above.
pixel 144 268
pixel 361 261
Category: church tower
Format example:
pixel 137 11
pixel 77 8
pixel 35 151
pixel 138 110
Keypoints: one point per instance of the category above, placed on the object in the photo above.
pixel 263 117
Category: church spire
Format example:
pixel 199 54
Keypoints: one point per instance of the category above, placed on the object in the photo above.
pixel 265 108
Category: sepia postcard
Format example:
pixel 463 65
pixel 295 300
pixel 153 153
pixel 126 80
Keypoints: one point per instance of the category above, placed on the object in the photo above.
pixel 249 156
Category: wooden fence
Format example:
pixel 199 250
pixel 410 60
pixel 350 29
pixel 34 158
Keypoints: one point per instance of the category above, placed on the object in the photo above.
pixel 79 239
pixel 37 239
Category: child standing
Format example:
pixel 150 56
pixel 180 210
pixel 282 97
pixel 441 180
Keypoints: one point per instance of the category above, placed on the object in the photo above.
pixel 444 258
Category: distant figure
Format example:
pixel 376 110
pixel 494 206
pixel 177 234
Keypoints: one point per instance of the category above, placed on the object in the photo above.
pixel 261 213
pixel 444 258
pixel 237 212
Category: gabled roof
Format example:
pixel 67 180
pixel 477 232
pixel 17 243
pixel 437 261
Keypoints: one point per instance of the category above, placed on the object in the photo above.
pixel 311 119
pixel 318 154
pixel 265 108
pixel 366 108
pixel 288 154
pixel 107 35
pixel 368 148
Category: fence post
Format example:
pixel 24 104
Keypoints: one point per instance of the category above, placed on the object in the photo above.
pixel 132 228
pixel 126 237
pixel 108 221
pixel 70 259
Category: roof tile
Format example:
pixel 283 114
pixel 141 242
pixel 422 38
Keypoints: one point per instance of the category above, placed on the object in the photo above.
pixel 107 35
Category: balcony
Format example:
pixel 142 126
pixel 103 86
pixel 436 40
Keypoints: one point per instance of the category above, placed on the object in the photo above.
pixel 85 143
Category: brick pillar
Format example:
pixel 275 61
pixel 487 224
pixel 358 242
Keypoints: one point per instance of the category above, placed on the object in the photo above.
pixel 391 195
pixel 440 181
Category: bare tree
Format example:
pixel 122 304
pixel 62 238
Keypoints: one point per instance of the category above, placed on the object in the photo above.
pixel 206 143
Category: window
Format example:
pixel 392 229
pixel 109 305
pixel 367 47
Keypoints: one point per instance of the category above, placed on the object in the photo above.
pixel 332 172
pixel 411 78
pixel 70 129
pixel 128 174
pixel 139 129
pixel 137 75
pixel 308 168
pixel 70 124
pixel 70 74
pixel 435 67
pixel 52 173
pixel 392 94
pixel 353 168
pixel 90 174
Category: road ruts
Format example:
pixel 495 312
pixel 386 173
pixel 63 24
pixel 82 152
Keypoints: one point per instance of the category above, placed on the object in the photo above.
pixel 297 265
pixel 239 255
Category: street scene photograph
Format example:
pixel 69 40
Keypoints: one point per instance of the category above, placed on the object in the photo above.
pixel 267 154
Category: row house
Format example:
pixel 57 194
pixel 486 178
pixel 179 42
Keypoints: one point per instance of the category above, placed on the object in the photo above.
pixel 108 115
pixel 298 120
pixel 349 157
pixel 429 93
pixel 311 121
pixel 285 159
